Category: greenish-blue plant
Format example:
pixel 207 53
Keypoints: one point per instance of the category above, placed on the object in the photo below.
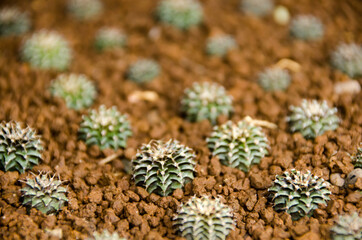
pixel 144 70
pixel 109 38
pixel 348 59
pixel 306 27
pixel 85 9
pixel 219 45
pixel 274 79
pixel 258 8
pixel 13 21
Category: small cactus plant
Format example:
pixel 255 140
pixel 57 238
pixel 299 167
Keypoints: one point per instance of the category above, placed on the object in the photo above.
pixel 220 45
pixel 143 70
pixel 161 167
pixel 20 149
pixel 109 38
pixel 347 227
pixel 306 27
pixel 13 22
pixel 357 158
pixel 274 79
pixel 258 8
pixel 299 194
pixel 182 14
pixel 206 101
pixel 106 128
pixel 44 193
pixel 348 59
pixel 77 90
pixel 105 235
pixel 238 145
pixel 313 118
pixel 204 218
pixel 47 50
pixel 85 9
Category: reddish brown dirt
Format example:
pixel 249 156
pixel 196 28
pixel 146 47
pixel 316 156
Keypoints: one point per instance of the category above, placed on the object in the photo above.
pixel 105 197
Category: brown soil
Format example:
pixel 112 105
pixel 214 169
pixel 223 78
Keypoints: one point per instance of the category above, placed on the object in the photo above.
pixel 105 197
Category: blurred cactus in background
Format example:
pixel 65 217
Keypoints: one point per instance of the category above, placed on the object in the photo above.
pixel 306 27
pixel 347 227
pixel 220 45
pixel 274 79
pixel 144 70
pixel 85 9
pixel 348 59
pixel 47 50
pixel 13 22
pixel 257 8
pixel 109 38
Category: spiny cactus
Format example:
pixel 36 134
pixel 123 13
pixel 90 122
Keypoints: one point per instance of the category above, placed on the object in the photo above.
pixel 144 70
pixel 257 8
pixel 347 227
pixel 348 59
pixel 306 27
pixel 299 194
pixel 106 128
pixel 105 235
pixel 182 14
pixel 76 89
pixel 13 22
pixel 109 38
pixel 220 45
pixel 204 218
pixel 206 101
pixel 274 79
pixel 44 193
pixel 161 167
pixel 85 9
pixel 20 149
pixel 312 118
pixel 47 50
pixel 357 158
pixel 238 145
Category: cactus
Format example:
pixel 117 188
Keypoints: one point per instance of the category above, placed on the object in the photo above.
pixel 85 9
pixel 220 45
pixel 348 59
pixel 44 193
pixel 206 101
pixel 306 27
pixel 109 38
pixel 144 70
pixel 347 227
pixel 105 235
pixel 357 158
pixel 47 50
pixel 313 118
pixel 299 194
pixel 13 22
pixel 106 128
pixel 274 79
pixel 161 167
pixel 182 14
pixel 258 8
pixel 20 149
pixel 77 90
pixel 238 145
pixel 204 218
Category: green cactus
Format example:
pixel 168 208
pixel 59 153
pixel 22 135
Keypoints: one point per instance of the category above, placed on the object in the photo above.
pixel 220 45
pixel 206 101
pixel 348 59
pixel 44 193
pixel 182 14
pixel 161 167
pixel 77 90
pixel 313 118
pixel 13 22
pixel 274 79
pixel 258 8
pixel 109 38
pixel 357 158
pixel 47 50
pixel 204 218
pixel 105 235
pixel 85 9
pixel 238 145
pixel 347 227
pixel 306 27
pixel 106 128
pixel 144 70
pixel 20 149
pixel 299 194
